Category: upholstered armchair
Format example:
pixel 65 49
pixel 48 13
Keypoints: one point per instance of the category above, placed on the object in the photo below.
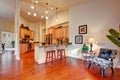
pixel 104 59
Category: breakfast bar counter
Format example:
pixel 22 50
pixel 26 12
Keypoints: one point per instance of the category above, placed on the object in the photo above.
pixel 40 51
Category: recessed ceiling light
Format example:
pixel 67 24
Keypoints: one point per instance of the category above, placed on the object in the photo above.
pixel 46 17
pixel 29 13
pixel 51 8
pixel 35 14
pixel 56 20
pixel 42 16
pixel 32 7
pixel 36 1
pixel 46 12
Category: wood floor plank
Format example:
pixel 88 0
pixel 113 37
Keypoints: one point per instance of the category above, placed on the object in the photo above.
pixel 64 69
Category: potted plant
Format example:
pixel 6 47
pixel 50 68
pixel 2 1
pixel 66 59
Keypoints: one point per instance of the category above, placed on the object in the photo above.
pixel 13 43
pixel 85 48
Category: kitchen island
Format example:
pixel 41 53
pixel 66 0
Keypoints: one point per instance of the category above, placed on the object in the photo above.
pixel 40 51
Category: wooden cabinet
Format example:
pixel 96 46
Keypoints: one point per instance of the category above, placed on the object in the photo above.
pixel 25 32
pixel 31 34
pixel 23 48
pixel 51 32
pixel 28 32
pixel 66 33
pixel 22 33
pixel 62 33
pixel 58 33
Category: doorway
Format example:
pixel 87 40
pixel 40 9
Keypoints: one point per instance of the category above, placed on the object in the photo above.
pixel 7 38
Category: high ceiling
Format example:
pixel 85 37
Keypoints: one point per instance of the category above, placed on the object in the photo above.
pixel 7 8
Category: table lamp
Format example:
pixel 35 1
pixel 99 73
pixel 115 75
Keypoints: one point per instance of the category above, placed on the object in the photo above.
pixel 91 41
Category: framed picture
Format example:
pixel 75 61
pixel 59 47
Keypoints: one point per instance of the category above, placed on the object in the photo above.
pixel 78 39
pixel 83 29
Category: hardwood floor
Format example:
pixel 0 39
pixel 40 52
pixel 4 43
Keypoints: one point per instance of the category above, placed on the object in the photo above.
pixel 65 69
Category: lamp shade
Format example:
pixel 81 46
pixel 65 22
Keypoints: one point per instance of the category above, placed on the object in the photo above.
pixel 91 40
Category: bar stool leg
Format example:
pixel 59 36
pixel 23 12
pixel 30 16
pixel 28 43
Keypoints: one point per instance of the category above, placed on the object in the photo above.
pixel 64 53
pixel 58 54
pixel 54 55
pixel 47 56
pixel 50 56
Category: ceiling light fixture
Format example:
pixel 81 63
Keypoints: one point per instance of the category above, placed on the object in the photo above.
pixel 51 8
pixel 46 8
pixel 29 13
pixel 36 1
pixel 42 16
pixel 34 14
pixel 56 15
pixel 46 11
pixel 33 7
pixel 46 17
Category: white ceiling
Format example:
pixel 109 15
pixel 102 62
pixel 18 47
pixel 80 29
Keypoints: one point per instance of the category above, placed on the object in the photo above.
pixel 7 8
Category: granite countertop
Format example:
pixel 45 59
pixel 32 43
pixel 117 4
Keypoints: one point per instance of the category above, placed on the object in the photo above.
pixel 53 45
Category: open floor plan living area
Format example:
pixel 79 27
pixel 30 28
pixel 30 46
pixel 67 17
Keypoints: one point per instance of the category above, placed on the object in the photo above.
pixel 59 40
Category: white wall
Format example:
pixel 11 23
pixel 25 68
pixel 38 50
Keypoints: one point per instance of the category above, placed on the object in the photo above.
pixel 100 16
pixel 36 28
pixel 62 17
pixel 42 33
pixel 24 21
pixel 6 25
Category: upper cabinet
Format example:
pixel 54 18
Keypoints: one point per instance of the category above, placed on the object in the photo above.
pixel 22 33
pixel 52 31
pixel 62 32
pixel 25 33
pixel 57 34
pixel 67 32
pixel 31 34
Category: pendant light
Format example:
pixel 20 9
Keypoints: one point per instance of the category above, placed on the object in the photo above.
pixel 46 11
pixel 56 15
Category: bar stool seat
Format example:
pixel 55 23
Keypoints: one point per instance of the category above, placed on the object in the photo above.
pixel 61 53
pixel 50 55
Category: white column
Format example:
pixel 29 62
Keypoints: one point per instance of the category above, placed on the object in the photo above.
pixel 17 17
pixel 41 37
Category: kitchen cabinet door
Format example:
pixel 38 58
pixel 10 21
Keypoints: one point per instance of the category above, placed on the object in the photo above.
pixel 28 32
pixel 31 34
pixel 52 31
pixel 63 31
pixel 22 33
pixel 57 33
pixel 66 32
pixel 25 32
pixel 23 48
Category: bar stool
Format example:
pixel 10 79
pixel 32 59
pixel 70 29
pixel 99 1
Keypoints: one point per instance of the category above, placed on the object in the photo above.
pixel 61 53
pixel 50 55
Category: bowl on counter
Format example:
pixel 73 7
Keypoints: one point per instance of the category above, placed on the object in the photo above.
pixel 42 43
